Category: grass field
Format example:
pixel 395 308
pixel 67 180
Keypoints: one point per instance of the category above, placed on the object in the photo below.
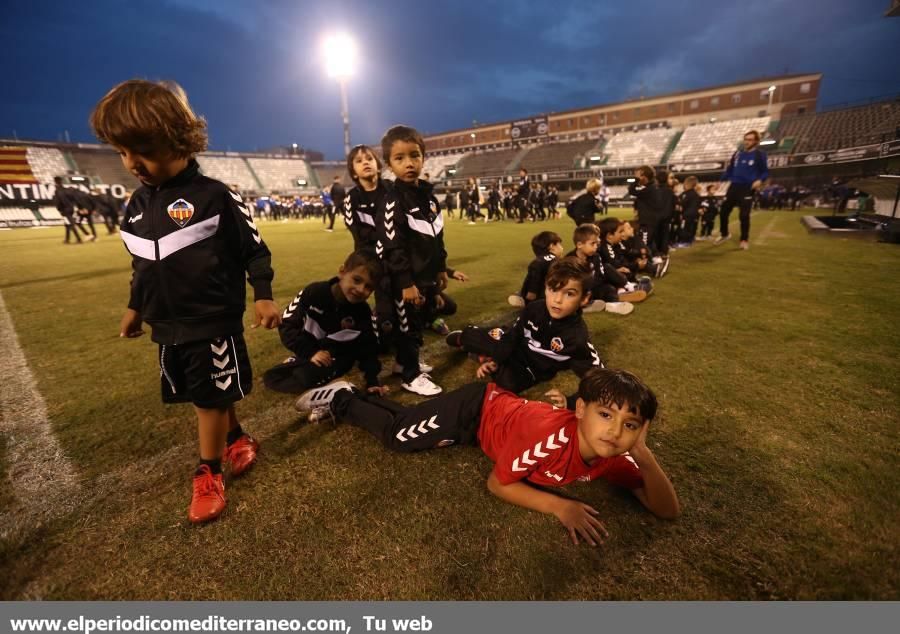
pixel 777 371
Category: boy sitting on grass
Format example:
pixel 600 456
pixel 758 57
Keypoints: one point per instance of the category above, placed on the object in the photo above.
pixel 328 327
pixel 549 336
pixel 610 292
pixel 532 444
pixel 547 247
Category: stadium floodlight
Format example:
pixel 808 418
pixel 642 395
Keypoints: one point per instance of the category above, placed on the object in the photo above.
pixel 339 51
pixel 771 94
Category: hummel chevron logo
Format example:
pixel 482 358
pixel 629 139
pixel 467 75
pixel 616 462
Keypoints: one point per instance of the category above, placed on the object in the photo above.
pixel 235 196
pixel 551 443
pixel 221 349
pixel 347 204
pixel 223 385
pixel 414 431
pixel 390 205
pixel 388 225
pixel 390 234
pixel 221 364
pixel 245 211
pixel 389 215
pixel 538 452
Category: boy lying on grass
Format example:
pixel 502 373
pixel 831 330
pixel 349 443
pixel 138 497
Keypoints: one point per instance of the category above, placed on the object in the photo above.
pixel 530 442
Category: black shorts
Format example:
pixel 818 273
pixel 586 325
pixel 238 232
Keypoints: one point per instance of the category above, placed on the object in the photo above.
pixel 210 374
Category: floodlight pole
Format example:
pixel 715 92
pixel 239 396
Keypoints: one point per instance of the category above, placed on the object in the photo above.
pixel 345 115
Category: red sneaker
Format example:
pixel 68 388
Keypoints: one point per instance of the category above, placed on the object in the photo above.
pixel 208 500
pixel 241 454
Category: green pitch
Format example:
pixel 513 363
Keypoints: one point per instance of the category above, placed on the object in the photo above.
pixel 777 372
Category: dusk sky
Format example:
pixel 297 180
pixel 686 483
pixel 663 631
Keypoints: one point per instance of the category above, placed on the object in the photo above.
pixel 254 70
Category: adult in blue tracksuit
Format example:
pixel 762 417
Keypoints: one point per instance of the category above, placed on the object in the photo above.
pixel 746 171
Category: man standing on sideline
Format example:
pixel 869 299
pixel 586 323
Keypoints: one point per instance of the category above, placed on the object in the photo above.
pixel 337 200
pixel 746 171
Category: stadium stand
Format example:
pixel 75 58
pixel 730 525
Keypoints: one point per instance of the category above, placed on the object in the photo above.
pixel 714 141
pixel 50 215
pixel 835 129
pixel 550 156
pixel 279 173
pixel 17 217
pixel 325 173
pixel 104 166
pixel 14 166
pixel 47 162
pixel 435 165
pixel 644 147
pixel 489 162
pixel 231 170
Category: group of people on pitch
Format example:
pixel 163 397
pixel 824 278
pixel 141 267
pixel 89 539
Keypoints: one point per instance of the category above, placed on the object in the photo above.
pixel 194 246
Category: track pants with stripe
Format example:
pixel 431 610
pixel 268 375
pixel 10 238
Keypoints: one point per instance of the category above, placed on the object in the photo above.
pixel 742 196
pixel 298 375
pixel 409 323
pixel 451 418
pixel 511 375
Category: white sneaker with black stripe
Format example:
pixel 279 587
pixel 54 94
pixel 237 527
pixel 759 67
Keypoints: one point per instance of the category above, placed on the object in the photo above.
pixel 320 397
pixel 422 385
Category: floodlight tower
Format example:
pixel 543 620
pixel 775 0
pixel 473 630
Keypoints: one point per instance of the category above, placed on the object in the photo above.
pixel 340 60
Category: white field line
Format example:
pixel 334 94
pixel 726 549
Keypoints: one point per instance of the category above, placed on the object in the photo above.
pixel 44 482
pixel 767 232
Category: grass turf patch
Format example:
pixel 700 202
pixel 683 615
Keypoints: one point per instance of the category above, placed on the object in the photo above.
pixel 776 371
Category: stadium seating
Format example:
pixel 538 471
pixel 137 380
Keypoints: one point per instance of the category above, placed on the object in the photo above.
pixel 50 215
pixel 848 127
pixel 485 163
pixel 325 173
pixel 17 216
pixel 435 165
pixel 104 166
pixel 277 174
pixel 644 147
pixel 231 170
pixel 46 162
pixel 714 141
pixel 556 156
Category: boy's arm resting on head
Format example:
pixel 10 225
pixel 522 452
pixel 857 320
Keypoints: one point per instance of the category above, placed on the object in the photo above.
pixel 657 495
pixel 578 518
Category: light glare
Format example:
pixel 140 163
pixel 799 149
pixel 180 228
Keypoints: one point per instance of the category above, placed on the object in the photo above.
pixel 340 55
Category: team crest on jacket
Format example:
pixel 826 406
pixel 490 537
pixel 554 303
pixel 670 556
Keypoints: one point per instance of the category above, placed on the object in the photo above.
pixel 180 211
pixel 556 344
pixel 347 323
pixel 496 333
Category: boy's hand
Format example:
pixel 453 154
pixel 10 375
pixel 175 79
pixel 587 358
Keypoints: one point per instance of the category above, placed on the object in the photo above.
pixel 379 390
pixel 460 276
pixel 442 281
pixel 640 448
pixel 130 326
pixel 581 519
pixel 486 369
pixel 267 314
pixel 556 398
pixel 322 359
pixel 412 296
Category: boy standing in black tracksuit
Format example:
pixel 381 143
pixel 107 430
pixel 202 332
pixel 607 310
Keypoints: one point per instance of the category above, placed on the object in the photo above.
pixel 85 207
pixel 648 205
pixel 328 327
pixel 548 337
pixel 193 244
pixel 108 206
pixel 411 244
pixel 709 208
pixel 337 193
pixel 690 211
pixel 522 193
pixel 493 202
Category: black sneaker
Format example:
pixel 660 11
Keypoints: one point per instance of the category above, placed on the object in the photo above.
pixel 454 339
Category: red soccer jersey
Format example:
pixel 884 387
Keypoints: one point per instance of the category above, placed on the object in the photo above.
pixel 534 441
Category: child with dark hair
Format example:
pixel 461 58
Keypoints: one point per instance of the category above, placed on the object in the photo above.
pixel 709 210
pixel 610 291
pixel 612 233
pixel 651 212
pixel 361 202
pixel 411 244
pixel 328 327
pixel 549 336
pixel 194 246
pixel 534 446
pixel 636 254
pixel 523 191
pixel 547 247
pixel 690 212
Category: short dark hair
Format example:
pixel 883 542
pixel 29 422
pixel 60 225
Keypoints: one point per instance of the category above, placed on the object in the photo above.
pixel 608 226
pixel 540 243
pixel 400 133
pixel 584 231
pixel 362 259
pixel 149 117
pixel 359 149
pixel 620 387
pixel 566 269
pixel 753 132
pixel 522 169
pixel 647 172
